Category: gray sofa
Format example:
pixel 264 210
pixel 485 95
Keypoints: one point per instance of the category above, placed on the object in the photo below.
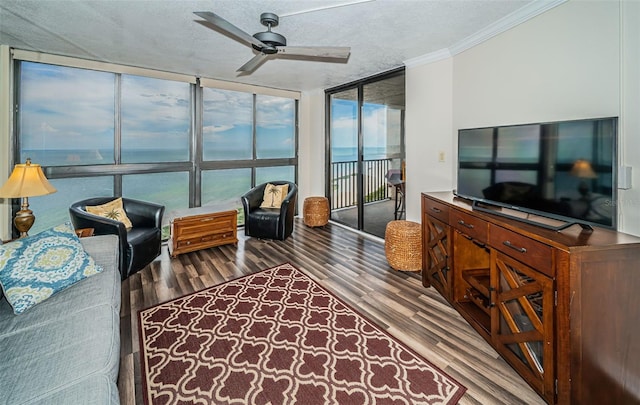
pixel 66 350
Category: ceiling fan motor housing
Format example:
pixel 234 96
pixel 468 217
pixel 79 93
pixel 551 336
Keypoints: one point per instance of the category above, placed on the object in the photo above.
pixel 268 37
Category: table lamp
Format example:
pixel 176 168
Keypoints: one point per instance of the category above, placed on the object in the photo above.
pixel 26 180
pixel 582 169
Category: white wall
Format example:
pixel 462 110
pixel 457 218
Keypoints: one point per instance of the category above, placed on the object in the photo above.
pixel 5 130
pixel 428 132
pixel 629 127
pixel 311 149
pixel 563 64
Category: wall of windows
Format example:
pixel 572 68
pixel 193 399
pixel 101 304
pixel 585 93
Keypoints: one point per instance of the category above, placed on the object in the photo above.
pixel 180 143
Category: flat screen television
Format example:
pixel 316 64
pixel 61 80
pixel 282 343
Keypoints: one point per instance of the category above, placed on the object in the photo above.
pixel 563 170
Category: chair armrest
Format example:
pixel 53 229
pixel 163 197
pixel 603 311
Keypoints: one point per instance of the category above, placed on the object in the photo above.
pixel 289 202
pixel 253 198
pixel 101 226
pixel 143 214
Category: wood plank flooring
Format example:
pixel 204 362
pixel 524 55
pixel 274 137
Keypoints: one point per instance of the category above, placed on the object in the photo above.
pixel 354 268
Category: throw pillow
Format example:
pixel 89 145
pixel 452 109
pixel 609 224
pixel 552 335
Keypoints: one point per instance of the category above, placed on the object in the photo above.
pixel 274 195
pixel 112 210
pixel 34 268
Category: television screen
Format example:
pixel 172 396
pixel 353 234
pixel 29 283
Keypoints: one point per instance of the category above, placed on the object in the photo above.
pixel 562 170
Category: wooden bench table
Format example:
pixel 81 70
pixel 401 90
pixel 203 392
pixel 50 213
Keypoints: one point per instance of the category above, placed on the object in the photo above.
pixel 196 230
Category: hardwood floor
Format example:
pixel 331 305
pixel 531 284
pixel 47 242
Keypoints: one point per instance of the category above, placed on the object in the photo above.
pixel 354 268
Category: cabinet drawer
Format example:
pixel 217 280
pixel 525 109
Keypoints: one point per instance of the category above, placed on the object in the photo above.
pixel 201 224
pixel 530 252
pixel 204 239
pixel 469 225
pixel 436 209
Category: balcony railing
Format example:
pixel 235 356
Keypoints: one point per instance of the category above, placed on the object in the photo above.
pixel 345 182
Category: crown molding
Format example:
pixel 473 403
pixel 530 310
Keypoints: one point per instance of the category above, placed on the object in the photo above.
pixel 518 17
pixel 428 58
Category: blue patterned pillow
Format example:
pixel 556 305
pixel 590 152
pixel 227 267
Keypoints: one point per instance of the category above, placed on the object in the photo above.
pixel 34 268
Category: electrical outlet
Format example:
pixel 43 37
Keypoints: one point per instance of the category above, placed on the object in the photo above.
pixel 441 156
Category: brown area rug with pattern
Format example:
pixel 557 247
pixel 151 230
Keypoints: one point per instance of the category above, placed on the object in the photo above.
pixel 278 337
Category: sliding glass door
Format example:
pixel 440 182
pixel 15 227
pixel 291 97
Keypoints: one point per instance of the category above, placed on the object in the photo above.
pixel 366 150
pixel 345 157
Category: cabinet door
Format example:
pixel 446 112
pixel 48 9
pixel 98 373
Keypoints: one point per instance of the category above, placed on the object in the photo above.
pixel 522 319
pixel 437 270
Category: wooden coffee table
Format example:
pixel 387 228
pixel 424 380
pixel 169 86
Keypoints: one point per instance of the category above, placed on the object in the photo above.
pixel 196 230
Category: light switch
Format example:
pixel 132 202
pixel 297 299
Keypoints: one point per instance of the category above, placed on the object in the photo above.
pixel 624 177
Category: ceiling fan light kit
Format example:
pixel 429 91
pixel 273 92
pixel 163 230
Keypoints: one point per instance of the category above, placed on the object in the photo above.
pixel 271 43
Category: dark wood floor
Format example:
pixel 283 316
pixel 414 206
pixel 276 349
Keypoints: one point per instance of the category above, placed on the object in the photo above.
pixel 354 268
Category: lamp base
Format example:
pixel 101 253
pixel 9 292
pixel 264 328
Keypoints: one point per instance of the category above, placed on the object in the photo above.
pixel 23 221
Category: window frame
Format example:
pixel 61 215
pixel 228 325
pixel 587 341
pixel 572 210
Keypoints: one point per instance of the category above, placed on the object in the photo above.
pixel 195 164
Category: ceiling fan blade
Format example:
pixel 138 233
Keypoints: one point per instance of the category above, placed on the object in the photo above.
pixel 337 52
pixel 253 63
pixel 226 26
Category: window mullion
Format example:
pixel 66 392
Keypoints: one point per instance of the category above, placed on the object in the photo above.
pixel 196 146
pixel 117 133
pixel 254 133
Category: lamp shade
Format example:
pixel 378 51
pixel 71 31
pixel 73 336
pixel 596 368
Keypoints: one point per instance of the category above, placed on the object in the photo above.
pixel 26 180
pixel 582 169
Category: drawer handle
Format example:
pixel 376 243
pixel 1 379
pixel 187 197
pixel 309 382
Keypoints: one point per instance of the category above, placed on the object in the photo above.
pixel 466 225
pixel 519 249
pixel 436 210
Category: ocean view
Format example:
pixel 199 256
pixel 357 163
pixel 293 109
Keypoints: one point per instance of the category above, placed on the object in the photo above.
pixel 350 154
pixel 66 157
pixel 170 189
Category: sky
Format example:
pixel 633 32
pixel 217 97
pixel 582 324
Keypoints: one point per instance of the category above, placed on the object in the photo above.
pixel 61 106
pixel 381 125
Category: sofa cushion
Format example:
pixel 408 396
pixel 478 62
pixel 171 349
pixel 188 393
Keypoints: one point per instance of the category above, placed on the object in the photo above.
pixel 34 268
pixel 100 289
pixel 66 349
pixel 44 357
pixel 93 390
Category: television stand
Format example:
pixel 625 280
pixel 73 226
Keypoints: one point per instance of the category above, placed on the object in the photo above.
pixel 485 207
pixel 561 308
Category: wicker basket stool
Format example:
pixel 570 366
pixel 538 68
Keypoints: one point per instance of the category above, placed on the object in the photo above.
pixel 403 245
pixel 316 211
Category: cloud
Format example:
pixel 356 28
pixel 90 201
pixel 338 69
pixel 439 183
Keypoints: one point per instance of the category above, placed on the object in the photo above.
pixel 62 106
pixel 213 128
pixel 45 127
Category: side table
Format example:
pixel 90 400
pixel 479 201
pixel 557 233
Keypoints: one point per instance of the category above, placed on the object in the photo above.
pixel 316 211
pixel 84 232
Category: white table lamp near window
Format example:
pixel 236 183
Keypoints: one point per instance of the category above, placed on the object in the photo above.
pixel 26 180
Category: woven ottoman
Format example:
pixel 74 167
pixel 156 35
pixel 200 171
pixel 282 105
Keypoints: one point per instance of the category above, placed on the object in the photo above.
pixel 403 245
pixel 316 211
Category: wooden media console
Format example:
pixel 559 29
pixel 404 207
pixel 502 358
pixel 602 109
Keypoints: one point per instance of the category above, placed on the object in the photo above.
pixel 562 308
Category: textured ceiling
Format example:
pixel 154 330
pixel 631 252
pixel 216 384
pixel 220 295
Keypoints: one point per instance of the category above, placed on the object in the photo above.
pixel 163 34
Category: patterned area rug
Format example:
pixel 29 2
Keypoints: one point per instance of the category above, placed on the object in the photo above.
pixel 277 337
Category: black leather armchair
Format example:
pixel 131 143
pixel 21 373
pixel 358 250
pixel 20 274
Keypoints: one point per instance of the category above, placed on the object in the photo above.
pixel 139 245
pixel 269 223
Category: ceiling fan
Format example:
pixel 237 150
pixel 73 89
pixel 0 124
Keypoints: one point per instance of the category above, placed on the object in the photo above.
pixel 269 43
